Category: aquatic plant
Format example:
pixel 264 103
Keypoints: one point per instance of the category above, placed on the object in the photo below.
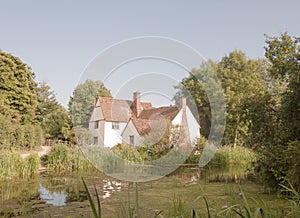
pixel 12 165
pixel 62 158
pixel 96 212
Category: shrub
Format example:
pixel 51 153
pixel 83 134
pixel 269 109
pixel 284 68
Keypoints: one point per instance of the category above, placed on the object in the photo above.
pixel 280 164
pixel 16 135
pixel 62 157
pixel 57 157
pixel 127 152
pixel 13 166
pixel 228 155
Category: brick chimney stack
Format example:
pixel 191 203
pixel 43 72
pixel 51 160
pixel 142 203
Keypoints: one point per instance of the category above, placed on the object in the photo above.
pixel 183 103
pixel 136 104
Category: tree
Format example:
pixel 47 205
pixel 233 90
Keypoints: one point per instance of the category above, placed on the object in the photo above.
pixel 18 96
pixel 192 88
pixel 83 101
pixel 241 84
pixel 280 160
pixel 284 54
pixel 18 104
pixel 50 113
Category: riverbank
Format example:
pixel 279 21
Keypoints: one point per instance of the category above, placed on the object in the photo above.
pixel 63 195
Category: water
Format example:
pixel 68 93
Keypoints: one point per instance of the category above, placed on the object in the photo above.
pixel 52 197
pixel 64 195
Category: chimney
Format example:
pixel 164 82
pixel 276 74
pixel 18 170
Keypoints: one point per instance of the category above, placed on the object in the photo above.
pixel 136 104
pixel 183 103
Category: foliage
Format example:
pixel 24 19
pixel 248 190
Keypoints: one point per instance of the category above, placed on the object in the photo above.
pixel 18 97
pixel 294 199
pixel 195 155
pixel 12 165
pixel 96 212
pixel 83 101
pixel 293 161
pixel 18 104
pixel 178 208
pixel 279 162
pixel 227 155
pixel 242 86
pixel 50 113
pixel 127 152
pixel 284 54
pixel 192 88
pixel 13 134
pixel 61 157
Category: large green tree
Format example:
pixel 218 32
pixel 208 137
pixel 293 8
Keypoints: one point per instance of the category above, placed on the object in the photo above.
pixel 18 96
pixel 50 113
pixel 192 88
pixel 18 104
pixel 240 79
pixel 83 101
pixel 281 150
pixel 284 54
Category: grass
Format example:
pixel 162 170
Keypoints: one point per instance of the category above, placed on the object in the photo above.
pixel 294 196
pixel 13 166
pixel 200 200
pixel 96 212
pixel 227 155
pixel 64 158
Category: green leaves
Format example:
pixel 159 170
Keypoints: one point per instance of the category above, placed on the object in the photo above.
pixel 18 98
pixel 84 99
pixel 50 114
pixel 242 86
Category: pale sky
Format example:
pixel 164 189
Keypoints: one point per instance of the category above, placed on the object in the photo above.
pixel 59 38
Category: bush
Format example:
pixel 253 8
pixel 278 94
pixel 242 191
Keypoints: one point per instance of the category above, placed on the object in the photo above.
pixel 293 160
pixel 194 157
pixel 62 157
pixel 18 135
pixel 13 166
pixel 29 166
pixel 227 155
pixel 127 152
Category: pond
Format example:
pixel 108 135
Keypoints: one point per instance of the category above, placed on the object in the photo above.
pixel 61 195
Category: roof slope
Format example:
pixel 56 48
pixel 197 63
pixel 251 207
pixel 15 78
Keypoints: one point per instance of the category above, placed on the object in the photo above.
pixel 118 110
pixel 154 116
pixel 168 112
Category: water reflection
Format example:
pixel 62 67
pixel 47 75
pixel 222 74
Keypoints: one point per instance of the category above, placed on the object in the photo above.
pixel 62 197
pixel 110 187
pixel 52 197
pixel 44 194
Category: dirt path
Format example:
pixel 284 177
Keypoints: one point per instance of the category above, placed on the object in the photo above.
pixel 41 152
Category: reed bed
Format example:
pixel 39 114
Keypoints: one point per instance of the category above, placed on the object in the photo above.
pixel 13 166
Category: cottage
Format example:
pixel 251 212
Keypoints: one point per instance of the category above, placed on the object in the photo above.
pixel 115 121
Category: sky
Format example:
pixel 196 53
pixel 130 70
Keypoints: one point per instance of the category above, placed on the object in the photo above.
pixel 58 39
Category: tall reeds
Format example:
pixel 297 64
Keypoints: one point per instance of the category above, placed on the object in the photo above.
pixel 61 157
pixel 12 165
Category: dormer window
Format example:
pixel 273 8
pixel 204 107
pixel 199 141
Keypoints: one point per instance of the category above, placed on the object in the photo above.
pixel 115 125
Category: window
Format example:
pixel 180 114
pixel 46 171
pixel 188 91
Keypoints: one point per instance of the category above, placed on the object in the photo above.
pixel 95 140
pixel 115 125
pixel 96 125
pixel 131 139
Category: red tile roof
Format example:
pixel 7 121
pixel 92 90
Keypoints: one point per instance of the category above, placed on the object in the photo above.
pixel 118 110
pixel 168 112
pixel 141 125
pixel 154 115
